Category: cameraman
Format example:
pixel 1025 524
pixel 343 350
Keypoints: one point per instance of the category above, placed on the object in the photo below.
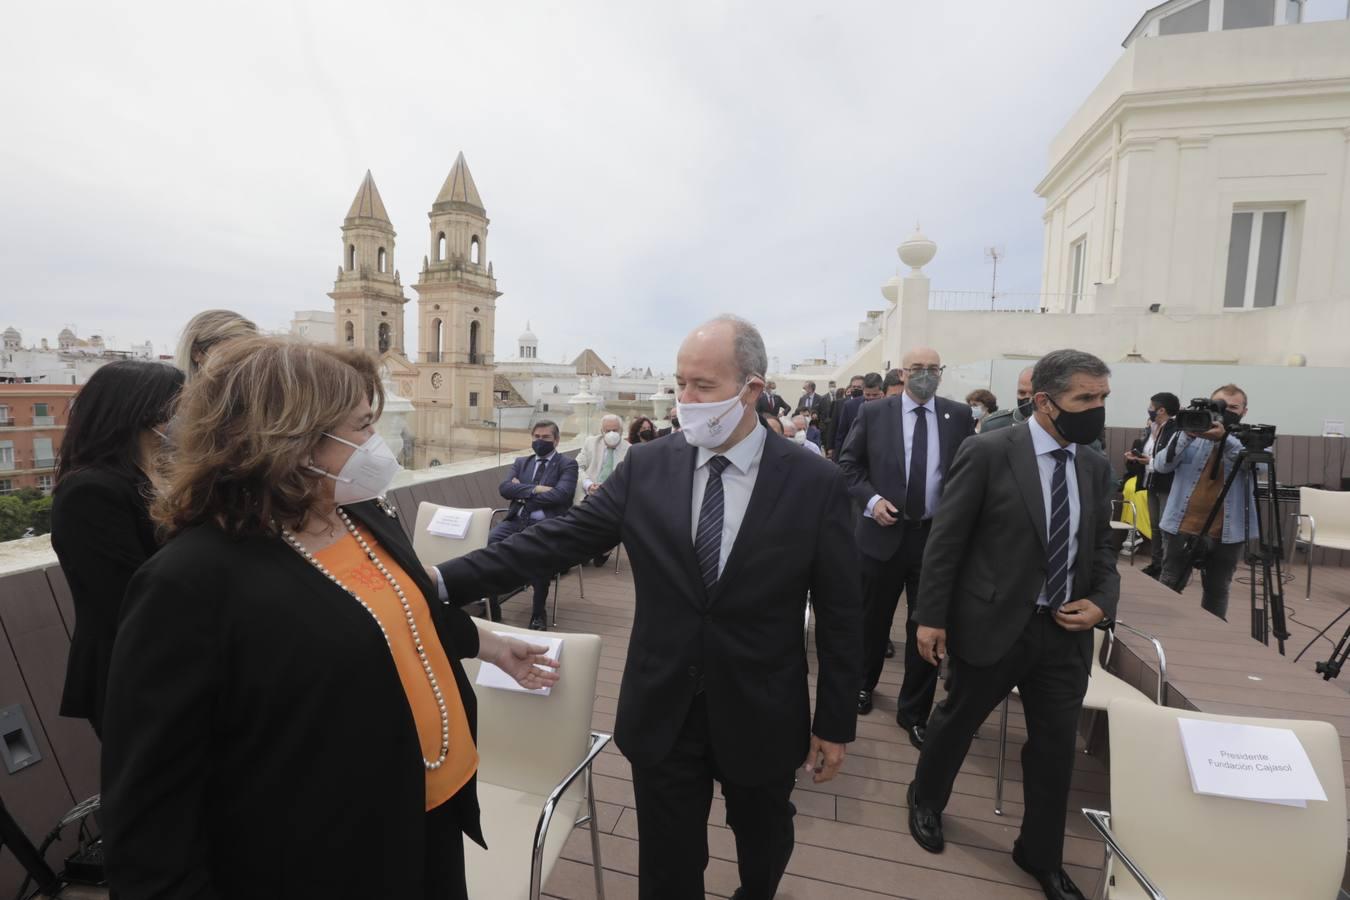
pixel 1201 463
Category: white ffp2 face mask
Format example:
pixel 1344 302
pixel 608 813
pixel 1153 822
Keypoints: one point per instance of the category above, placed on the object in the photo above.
pixel 612 439
pixel 710 424
pixel 366 474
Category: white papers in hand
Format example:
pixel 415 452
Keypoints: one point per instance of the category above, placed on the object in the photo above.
pixel 450 523
pixel 492 677
pixel 1249 762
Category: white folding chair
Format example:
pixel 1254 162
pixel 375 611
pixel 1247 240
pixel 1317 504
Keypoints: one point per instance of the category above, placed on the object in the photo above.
pixel 1175 842
pixel 1131 528
pixel 535 758
pixel 1323 520
pixel 1103 687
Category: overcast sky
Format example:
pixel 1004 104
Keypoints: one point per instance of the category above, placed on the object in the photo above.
pixel 644 166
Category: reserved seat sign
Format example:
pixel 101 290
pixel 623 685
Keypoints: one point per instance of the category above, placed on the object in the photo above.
pixel 1249 762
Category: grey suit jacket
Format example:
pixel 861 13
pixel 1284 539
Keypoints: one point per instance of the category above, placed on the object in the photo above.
pixel 985 562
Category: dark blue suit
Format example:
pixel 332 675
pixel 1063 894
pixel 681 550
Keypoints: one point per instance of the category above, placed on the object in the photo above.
pixel 527 507
pixel 847 414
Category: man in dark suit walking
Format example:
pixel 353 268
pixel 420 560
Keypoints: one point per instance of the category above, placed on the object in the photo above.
pixel 541 487
pixel 869 390
pixel 1020 566
pixel 811 402
pixel 715 684
pixel 895 459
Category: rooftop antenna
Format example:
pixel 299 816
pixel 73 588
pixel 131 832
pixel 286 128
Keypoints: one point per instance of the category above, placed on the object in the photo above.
pixel 994 254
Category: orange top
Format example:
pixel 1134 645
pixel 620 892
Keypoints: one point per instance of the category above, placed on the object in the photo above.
pixel 349 563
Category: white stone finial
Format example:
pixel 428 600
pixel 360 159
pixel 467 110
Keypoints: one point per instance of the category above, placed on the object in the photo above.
pixel 891 289
pixel 916 251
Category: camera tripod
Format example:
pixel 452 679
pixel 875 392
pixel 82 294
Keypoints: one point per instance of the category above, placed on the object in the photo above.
pixel 1267 602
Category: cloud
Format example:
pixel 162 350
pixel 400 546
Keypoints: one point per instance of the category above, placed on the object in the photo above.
pixel 644 167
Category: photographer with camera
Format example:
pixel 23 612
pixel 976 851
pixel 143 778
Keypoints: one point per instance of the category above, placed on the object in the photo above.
pixel 1202 459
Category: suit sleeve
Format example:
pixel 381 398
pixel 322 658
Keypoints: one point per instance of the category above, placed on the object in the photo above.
pixel 515 490
pixel 853 461
pixel 836 596
pixel 562 493
pixel 955 522
pixel 582 533
pixel 584 457
pixel 1105 577
pixel 164 685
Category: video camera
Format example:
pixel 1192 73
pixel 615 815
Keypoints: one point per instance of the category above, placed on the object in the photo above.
pixel 1204 413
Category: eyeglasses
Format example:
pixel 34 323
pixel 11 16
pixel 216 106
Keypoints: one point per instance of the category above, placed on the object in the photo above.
pixel 931 370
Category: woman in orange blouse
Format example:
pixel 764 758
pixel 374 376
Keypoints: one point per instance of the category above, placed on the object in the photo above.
pixel 287 714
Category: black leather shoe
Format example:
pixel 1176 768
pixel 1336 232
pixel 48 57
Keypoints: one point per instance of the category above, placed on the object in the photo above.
pixel 1057 885
pixel 537 623
pixel 916 733
pixel 925 826
pixel 864 702
pixel 890 649
pixel 1151 571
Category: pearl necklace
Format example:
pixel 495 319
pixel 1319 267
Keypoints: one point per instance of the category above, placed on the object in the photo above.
pixel 407 612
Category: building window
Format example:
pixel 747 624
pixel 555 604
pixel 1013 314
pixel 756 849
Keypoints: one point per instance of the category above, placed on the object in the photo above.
pixel 473 399
pixel 6 456
pixel 1248 13
pixel 435 354
pixel 440 246
pixel 6 486
pixel 43 455
pixel 6 420
pixel 351 257
pixel 1187 20
pixel 45 483
pixel 350 330
pixel 42 415
pixel 1256 256
pixel 1078 264
pixel 384 337
pixel 380 257
pixel 473 250
pixel 474 330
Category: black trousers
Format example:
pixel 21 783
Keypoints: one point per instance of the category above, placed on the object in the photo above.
pixel 882 582
pixel 1047 667
pixel 674 798
pixel 503 530
pixel 1221 562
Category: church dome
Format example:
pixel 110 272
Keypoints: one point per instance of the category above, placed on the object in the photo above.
pixel 527 337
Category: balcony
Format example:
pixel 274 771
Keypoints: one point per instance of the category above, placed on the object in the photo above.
pixel 44 463
pixel 44 421
pixel 8 422
pixel 7 465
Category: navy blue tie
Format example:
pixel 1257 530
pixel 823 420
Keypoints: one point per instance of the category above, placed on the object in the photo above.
pixel 1057 540
pixel 916 491
pixel 708 540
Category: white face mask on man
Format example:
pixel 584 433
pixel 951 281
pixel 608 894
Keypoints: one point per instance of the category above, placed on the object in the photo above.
pixel 612 439
pixel 366 474
pixel 710 424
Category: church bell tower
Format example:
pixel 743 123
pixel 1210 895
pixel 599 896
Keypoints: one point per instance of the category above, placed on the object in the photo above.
pixel 368 295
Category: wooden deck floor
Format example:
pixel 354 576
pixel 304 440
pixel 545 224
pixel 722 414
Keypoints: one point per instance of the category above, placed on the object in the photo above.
pixel 852 832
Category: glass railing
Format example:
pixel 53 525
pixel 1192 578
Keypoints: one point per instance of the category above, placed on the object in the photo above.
pixel 40 421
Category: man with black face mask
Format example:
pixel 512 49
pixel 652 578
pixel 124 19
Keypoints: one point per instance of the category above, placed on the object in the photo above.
pixel 1020 565
pixel 1015 415
pixel 540 487
pixel 1201 463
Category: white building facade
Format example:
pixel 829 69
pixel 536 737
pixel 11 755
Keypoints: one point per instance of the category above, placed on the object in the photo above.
pixel 1204 187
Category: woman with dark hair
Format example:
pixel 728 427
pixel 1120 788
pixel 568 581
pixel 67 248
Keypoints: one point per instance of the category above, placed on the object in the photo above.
pixel 287 713
pixel 641 431
pixel 101 527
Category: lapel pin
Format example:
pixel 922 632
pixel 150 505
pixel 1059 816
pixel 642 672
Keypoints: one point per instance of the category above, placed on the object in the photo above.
pixel 946 415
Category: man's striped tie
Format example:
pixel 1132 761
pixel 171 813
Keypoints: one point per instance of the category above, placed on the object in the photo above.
pixel 708 541
pixel 1057 542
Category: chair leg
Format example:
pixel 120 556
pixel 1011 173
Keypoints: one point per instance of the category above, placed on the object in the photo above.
pixel 557 589
pixel 1310 556
pixel 1002 752
pixel 581 581
pixel 1091 728
pixel 618 555
pixel 1134 545
pixel 595 840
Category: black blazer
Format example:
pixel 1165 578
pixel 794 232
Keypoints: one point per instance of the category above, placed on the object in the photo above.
pixel 985 562
pixel 101 532
pixel 743 641
pixel 820 405
pixel 843 421
pixel 873 461
pixel 560 473
pixel 258 742
pixel 1161 482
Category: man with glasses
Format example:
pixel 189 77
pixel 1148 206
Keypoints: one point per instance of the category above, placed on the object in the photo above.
pixel 896 459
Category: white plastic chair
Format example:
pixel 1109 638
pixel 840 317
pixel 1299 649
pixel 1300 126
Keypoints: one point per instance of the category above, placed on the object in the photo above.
pixel 1103 687
pixel 535 758
pixel 1175 842
pixel 434 549
pixel 1323 520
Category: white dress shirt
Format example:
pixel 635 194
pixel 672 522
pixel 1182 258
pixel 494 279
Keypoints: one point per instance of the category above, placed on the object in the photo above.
pixel 1045 444
pixel 738 482
pixel 933 479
